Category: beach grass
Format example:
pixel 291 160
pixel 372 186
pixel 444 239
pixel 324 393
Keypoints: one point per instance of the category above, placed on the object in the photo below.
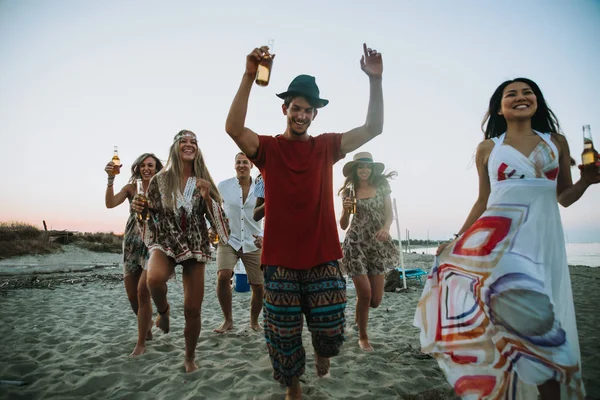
pixel 99 242
pixel 19 239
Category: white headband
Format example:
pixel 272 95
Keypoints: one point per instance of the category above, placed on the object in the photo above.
pixel 184 133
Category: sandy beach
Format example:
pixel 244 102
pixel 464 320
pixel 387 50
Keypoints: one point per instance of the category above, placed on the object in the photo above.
pixel 67 335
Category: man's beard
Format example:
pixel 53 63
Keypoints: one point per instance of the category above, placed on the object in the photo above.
pixel 297 133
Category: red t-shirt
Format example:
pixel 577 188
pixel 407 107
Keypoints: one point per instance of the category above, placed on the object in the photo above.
pixel 300 226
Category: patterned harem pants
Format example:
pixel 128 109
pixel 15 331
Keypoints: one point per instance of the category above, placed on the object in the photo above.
pixel 320 294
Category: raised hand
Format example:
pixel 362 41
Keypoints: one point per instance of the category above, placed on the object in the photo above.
pixel 371 62
pixel 204 187
pixel 253 59
pixel 111 168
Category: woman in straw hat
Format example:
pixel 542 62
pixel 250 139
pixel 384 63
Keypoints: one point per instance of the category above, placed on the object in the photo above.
pixel 368 248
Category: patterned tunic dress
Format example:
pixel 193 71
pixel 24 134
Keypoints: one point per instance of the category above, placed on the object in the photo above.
pixel 363 253
pixel 497 309
pixel 135 252
pixel 181 232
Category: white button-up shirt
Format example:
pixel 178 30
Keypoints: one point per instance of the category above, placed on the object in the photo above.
pixel 240 214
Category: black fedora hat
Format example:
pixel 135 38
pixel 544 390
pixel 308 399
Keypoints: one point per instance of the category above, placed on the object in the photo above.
pixel 305 86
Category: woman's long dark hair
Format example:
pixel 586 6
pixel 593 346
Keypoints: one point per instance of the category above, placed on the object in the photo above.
pixel 374 179
pixel 544 120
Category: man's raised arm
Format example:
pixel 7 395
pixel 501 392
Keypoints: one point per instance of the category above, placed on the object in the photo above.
pixel 245 138
pixel 372 64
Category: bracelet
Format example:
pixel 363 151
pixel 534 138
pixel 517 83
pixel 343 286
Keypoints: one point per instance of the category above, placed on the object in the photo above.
pixel 111 180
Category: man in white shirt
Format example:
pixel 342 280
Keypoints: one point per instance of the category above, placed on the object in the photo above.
pixel 238 202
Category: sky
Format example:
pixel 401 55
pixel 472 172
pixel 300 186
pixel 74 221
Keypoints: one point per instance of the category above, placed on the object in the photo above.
pixel 79 77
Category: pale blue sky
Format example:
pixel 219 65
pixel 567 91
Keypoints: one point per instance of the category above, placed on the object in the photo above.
pixel 78 77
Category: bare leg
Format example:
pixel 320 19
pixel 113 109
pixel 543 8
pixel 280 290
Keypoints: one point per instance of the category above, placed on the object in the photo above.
pixel 256 304
pixel 377 283
pixel 363 301
pixel 225 298
pixel 549 390
pixel 294 391
pixel 131 288
pixel 160 268
pixel 193 294
pixel 144 316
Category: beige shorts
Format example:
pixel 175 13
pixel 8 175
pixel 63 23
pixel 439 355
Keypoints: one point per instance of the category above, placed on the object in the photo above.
pixel 227 257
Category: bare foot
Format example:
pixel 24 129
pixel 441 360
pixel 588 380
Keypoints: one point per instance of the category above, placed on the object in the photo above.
pixel 365 345
pixel 322 365
pixel 138 350
pixel 162 321
pixel 255 325
pixel 190 366
pixel 225 326
pixel 294 392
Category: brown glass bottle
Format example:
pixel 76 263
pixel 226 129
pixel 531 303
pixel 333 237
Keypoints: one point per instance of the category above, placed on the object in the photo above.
pixel 117 161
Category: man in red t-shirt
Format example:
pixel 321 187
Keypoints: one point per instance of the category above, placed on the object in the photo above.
pixel 301 244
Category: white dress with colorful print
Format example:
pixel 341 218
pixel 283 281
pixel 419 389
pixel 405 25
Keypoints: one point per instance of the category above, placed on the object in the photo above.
pixel 497 309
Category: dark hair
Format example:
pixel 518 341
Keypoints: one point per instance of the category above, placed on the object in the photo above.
pixel 544 120
pixel 374 179
pixel 312 101
pixel 135 167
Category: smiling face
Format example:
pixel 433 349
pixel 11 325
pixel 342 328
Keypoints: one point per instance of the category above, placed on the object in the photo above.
pixel 188 148
pixel 300 114
pixel 242 166
pixel 148 168
pixel 363 171
pixel 519 102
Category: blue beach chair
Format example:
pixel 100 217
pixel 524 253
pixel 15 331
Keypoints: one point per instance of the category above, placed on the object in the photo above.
pixel 415 273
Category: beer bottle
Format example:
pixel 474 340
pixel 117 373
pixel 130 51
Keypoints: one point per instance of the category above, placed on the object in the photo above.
pixel 589 154
pixel 353 197
pixel 116 161
pixel 143 215
pixel 263 74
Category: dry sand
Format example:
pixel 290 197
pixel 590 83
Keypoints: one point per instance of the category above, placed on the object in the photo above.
pixel 68 336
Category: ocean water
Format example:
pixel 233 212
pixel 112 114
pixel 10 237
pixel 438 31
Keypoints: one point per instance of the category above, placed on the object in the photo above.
pixel 584 254
pixel 577 253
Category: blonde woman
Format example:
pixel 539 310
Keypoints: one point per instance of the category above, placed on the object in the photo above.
pixel 179 199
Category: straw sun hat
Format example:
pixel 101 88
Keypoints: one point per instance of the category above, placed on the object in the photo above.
pixel 363 158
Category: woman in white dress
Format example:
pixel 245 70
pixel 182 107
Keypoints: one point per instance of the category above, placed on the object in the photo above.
pixel 497 309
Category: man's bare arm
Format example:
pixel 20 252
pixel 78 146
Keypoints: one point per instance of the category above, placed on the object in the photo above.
pixel 372 64
pixel 245 138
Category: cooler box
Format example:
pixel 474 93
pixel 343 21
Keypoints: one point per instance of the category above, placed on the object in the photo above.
pixel 240 282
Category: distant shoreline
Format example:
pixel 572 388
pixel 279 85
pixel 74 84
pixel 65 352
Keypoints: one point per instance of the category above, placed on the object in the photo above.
pixel 26 271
